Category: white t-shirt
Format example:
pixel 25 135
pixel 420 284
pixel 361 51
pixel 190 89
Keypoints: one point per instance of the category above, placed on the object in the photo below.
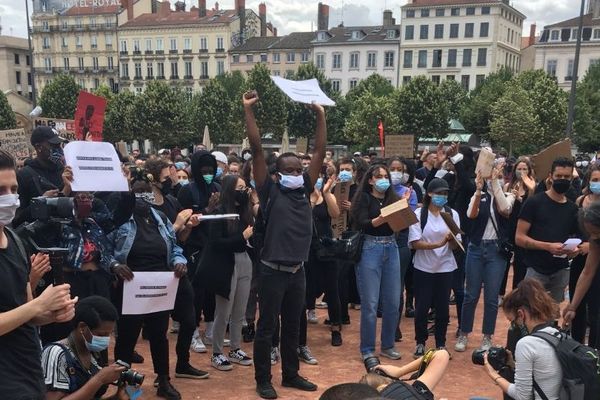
pixel 437 260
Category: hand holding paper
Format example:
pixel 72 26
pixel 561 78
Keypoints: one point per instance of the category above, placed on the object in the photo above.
pixel 307 91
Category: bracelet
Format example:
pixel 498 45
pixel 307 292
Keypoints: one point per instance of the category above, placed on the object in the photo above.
pixel 496 380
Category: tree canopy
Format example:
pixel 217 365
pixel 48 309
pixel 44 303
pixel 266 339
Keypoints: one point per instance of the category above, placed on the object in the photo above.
pixel 59 97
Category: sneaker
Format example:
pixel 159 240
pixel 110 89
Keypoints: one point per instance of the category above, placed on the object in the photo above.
pixel 321 305
pixel 136 358
pixel 486 343
pixel 275 356
pixel 266 390
pixel 220 362
pixel 248 333
pixel 336 338
pixel 391 353
pixel 305 355
pixel 461 344
pixel 197 345
pixel 208 341
pixel 240 357
pixel 419 351
pixel 174 327
pixel 166 390
pixel 189 372
pixel 300 383
pixel 311 317
pixel 444 348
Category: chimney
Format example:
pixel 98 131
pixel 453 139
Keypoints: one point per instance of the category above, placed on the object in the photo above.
pixel 165 9
pixel 323 17
pixel 128 4
pixel 532 34
pixel 274 31
pixel 154 6
pixel 262 14
pixel 180 6
pixel 240 7
pixel 388 20
pixel 202 8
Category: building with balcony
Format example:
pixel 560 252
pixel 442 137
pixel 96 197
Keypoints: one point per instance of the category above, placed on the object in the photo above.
pixel 15 63
pixel 463 40
pixel 555 50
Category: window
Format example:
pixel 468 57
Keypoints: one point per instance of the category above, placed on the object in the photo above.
pixel 439 31
pixel 204 70
pixel 467 53
pixel 123 46
pixel 353 83
pixel 337 61
pixel 450 78
pixel 236 58
pixel 263 58
pixel 187 43
pixel 371 59
pixel 174 70
pixel 65 25
pixel 29 78
pixel 125 70
pixel 481 57
pixel 149 70
pixel 408 59
pixel 276 57
pixel 391 34
pixel 455 11
pixel 410 13
pixel 18 77
pixel 569 71
pixel 110 63
pixel 46 42
pixel 64 41
pixel 203 43
pixel 138 70
pixel 188 69
pixel 424 32
pixel 320 60
pixel 356 35
pixel 304 56
pixel 136 46
pixel 425 12
pixel 220 45
pixel 45 26
pixel 189 92
pixel 220 67
pixel 27 60
pixel 405 80
pixel 79 23
pixel 277 72
pixel 108 40
pixel 422 63
pixel 464 81
pixel 484 29
pixel 249 58
pixel 409 32
pixel 335 85
pixel 354 60
pixel 94 42
pixel 95 64
pixel 48 64
pixel 388 57
pixel 93 22
pixel 81 83
pixel 574 33
pixel 439 12
pixel 453 31
pixel 160 70
pixel 291 57
pixel 66 63
pixel 452 58
pixel 469 28
pixel 437 58
pixel 470 11
pixel 485 10
pixel 159 45
pixel 138 90
pixel 173 44
pixel 79 42
pixel 479 80
pixel 435 79
pixel 596 33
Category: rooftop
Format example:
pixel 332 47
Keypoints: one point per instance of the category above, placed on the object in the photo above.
pixel 257 43
pixel 422 3
pixel 14 42
pixel 574 22
pixel 182 17
pixel 295 40
pixel 366 34
pixel 75 11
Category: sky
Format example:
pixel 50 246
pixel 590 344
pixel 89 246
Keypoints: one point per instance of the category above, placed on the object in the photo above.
pixel 293 16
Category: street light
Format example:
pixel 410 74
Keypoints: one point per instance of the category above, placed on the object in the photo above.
pixel 33 96
pixel 572 96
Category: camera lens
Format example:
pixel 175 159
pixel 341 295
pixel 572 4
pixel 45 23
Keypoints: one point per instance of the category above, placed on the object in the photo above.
pixel 477 356
pixel 371 362
pixel 132 377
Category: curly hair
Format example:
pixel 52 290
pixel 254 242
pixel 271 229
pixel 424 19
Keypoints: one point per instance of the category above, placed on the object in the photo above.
pixel 531 295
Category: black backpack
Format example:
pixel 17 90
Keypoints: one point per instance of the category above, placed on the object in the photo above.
pixel 580 367
pixel 425 215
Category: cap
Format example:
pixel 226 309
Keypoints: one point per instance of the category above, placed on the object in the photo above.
pixel 45 134
pixel 437 185
pixel 220 156
pixel 357 154
pixel 162 151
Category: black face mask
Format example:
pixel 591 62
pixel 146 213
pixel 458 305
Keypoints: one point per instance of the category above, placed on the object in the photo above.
pixel 166 186
pixel 241 197
pixel 561 186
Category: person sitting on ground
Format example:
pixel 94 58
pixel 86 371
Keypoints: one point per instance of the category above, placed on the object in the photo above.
pixel 350 391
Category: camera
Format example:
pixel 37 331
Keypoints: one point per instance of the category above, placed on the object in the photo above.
pixel 371 362
pixel 497 357
pixel 130 376
pixel 46 208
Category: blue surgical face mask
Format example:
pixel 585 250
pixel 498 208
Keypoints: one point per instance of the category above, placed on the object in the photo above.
pixel 98 343
pixel 219 172
pixel 595 187
pixel 319 184
pixel 439 200
pixel 381 185
pixel 396 177
pixel 345 176
pixel 291 181
pixel 253 183
pixel 184 182
pixel 208 178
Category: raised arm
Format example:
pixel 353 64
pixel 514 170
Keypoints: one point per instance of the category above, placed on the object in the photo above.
pixel 320 142
pixel 258 158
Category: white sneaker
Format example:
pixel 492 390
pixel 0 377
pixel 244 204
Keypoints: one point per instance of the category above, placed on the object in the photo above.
pixel 240 357
pixel 174 327
pixel 197 345
pixel 275 356
pixel 311 317
pixel 486 343
pixel 461 344
pixel 221 363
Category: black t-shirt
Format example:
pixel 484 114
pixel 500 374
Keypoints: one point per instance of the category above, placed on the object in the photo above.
pixel 369 207
pixel 170 207
pixel 550 222
pixel 289 222
pixel 21 375
pixel 149 250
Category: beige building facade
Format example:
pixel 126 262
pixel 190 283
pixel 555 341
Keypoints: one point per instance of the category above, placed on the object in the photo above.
pixel 15 63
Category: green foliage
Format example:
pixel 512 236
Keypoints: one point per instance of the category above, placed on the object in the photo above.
pixel 7 116
pixel 455 97
pixel 367 110
pixel 422 109
pixel 375 83
pixel 118 123
pixel 59 97
pixel 271 110
pixel 104 91
pixel 587 120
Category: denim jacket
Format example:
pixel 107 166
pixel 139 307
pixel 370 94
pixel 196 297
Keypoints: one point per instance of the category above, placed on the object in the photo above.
pixel 73 238
pixel 123 237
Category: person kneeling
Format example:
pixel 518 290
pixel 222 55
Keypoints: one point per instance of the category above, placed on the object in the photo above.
pixel 427 371
pixel 71 369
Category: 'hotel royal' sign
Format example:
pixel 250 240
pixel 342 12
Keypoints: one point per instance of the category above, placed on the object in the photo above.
pixel 90 3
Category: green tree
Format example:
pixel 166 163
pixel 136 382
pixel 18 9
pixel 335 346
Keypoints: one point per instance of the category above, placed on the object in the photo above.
pixel 421 109
pixel 7 116
pixel 118 118
pixel 104 91
pixel 59 97
pixel 271 110
pixel 233 83
pixel 514 119
pixel 375 83
pixel 587 121
pixel 455 97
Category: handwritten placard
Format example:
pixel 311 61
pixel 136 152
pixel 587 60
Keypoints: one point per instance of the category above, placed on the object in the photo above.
pixel 400 146
pixel 65 127
pixel 16 142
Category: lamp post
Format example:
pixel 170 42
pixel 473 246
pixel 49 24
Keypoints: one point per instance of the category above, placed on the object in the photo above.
pixel 573 94
pixel 31 69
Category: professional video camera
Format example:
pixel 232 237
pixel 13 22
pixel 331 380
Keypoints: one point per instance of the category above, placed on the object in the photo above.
pixel 497 357
pixel 129 376
pixel 47 208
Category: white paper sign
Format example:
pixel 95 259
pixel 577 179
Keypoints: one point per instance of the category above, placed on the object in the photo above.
pixel 96 167
pixel 218 216
pixel 150 292
pixel 303 91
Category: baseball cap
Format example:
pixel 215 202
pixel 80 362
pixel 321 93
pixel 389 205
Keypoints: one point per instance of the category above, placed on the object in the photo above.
pixel 357 154
pixel 163 151
pixel 45 134
pixel 437 185
pixel 220 156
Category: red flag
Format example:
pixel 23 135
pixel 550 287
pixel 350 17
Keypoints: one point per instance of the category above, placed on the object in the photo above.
pixel 380 128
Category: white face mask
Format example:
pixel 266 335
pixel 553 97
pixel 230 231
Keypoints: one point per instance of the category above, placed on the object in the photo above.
pixel 8 207
pixel 291 181
pixel 396 177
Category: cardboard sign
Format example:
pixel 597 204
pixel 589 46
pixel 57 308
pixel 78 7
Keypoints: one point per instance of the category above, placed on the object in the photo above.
pixel 16 142
pixel 341 191
pixel 485 163
pixel 65 127
pixel 542 161
pixel 400 146
pixel 89 116
pixel 302 145
pixel 399 215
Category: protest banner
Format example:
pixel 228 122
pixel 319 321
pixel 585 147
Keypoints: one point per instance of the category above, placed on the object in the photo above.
pixel 400 146
pixel 96 167
pixel 65 127
pixel 485 163
pixel 307 91
pixel 341 191
pixel 149 292
pixel 89 116
pixel 16 142
pixel 542 161
pixel 399 215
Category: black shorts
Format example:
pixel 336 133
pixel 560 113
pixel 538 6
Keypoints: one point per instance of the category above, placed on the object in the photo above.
pixel 400 390
pixel 423 390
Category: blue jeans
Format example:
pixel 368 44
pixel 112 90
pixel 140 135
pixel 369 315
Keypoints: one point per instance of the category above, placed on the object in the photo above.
pixel 484 266
pixel 378 275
